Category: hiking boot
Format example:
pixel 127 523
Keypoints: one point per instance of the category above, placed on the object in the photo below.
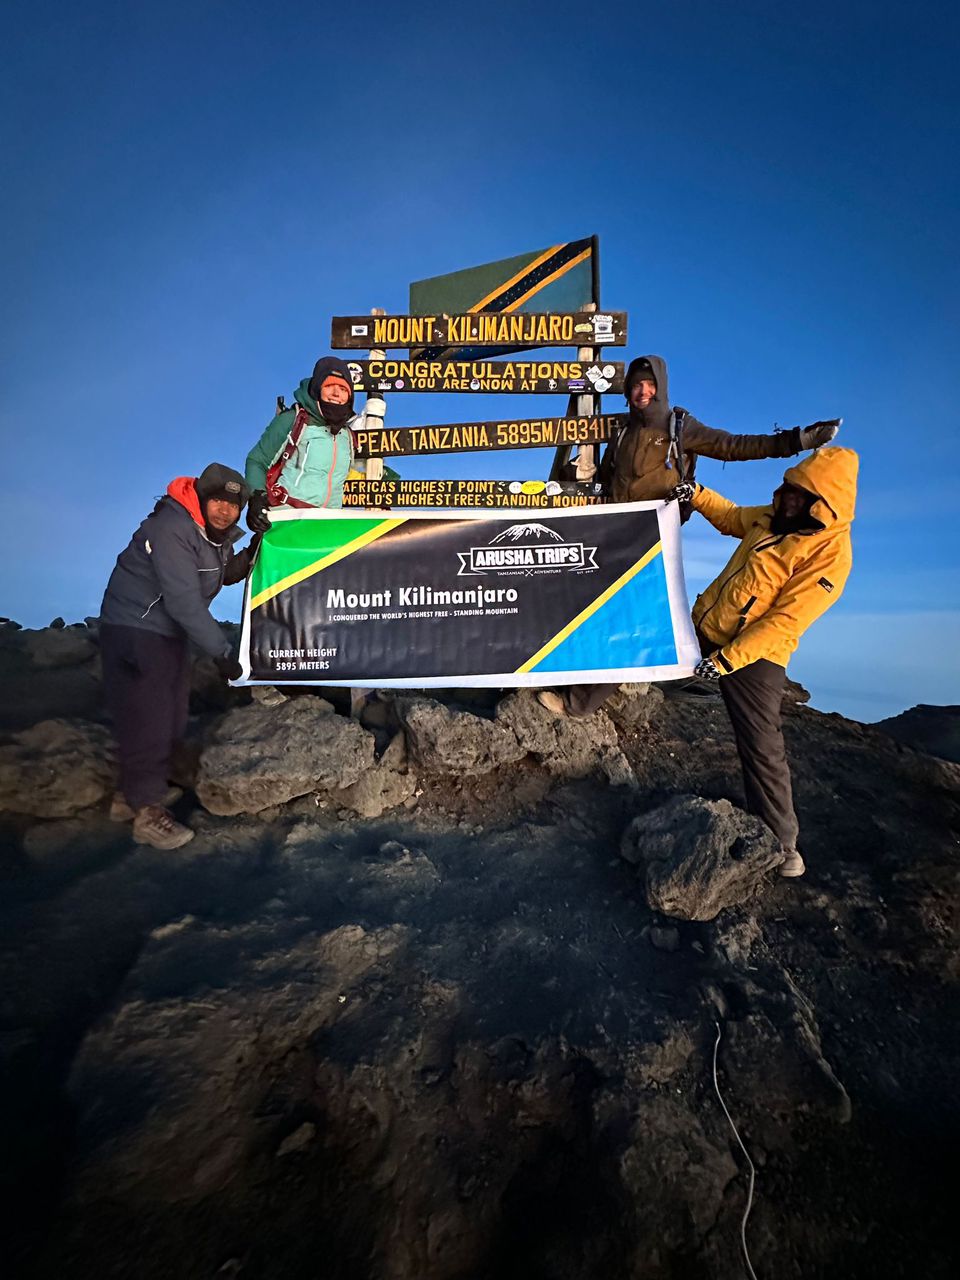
pixel 157 826
pixel 552 701
pixel 792 864
pixel 120 811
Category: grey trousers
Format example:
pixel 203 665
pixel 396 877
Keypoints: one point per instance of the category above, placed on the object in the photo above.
pixel 753 697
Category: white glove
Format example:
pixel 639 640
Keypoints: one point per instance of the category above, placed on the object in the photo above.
pixel 683 492
pixel 819 433
pixel 706 670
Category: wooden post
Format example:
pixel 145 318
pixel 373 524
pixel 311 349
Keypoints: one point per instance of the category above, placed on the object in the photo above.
pixel 373 469
pixel 588 456
pixel 587 404
pixel 374 466
pixel 584 404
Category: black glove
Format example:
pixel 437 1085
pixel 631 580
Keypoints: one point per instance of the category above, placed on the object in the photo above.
pixel 707 670
pixel 228 667
pixel 683 492
pixel 257 519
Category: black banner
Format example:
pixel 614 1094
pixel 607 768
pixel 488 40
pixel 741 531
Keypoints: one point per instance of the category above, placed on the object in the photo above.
pixel 466 599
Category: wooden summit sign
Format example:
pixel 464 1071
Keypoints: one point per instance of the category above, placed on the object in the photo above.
pixel 563 377
pixel 465 437
pixel 481 329
pixel 524 494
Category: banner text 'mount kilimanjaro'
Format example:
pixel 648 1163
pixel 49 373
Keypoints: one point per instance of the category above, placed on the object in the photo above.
pixel 562 377
pixel 505 599
pixel 481 329
pixel 464 437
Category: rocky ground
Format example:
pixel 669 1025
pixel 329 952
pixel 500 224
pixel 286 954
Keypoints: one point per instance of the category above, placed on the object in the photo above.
pixel 435 993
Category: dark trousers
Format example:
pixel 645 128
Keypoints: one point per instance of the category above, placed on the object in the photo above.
pixel 753 697
pixel 146 685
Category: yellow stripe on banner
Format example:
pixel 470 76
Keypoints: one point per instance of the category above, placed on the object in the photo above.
pixel 560 271
pixel 347 549
pixel 591 609
pixel 501 288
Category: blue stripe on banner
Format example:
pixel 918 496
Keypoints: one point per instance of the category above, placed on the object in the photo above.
pixel 633 629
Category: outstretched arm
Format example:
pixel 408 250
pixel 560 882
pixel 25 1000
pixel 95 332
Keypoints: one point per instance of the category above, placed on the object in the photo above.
pixel 725 516
pixel 698 438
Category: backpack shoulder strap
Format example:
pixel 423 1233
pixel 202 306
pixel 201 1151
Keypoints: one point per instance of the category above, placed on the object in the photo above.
pixel 276 494
pixel 675 447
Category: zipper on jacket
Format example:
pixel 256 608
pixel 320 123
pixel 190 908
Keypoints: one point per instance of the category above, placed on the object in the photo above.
pixel 742 620
pixel 150 606
pixel 761 546
pixel 333 463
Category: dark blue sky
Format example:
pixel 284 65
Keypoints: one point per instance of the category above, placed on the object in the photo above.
pixel 191 190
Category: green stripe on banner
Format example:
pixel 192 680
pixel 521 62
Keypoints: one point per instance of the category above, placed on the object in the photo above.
pixel 293 550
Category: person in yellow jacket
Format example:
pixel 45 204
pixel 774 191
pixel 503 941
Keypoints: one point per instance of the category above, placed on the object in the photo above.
pixel 791 565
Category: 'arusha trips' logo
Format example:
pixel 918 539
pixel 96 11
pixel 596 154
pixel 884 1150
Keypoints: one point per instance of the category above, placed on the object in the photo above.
pixel 528 549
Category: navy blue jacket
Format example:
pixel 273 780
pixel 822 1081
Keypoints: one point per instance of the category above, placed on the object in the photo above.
pixel 165 579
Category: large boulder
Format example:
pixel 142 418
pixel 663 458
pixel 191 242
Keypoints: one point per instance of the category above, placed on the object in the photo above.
pixel 59 647
pixel 259 756
pixel 700 856
pixel 566 746
pixel 56 768
pixel 383 786
pixel 443 740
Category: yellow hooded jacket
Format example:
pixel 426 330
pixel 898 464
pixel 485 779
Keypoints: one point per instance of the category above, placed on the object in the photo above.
pixel 775 585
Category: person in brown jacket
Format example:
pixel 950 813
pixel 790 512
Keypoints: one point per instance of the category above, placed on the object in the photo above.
pixel 656 450
pixel 658 447
pixel 792 564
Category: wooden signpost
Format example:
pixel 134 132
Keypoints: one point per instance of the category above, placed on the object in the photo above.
pixel 544 377
pixel 524 329
pixel 467 437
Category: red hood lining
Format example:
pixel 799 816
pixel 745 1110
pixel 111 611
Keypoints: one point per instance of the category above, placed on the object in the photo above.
pixel 184 491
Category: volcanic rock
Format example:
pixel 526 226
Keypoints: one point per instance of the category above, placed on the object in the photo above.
pixel 259 756
pixel 566 746
pixel 935 730
pixel 56 768
pixel 384 785
pixel 59 647
pixel 700 856
pixel 446 741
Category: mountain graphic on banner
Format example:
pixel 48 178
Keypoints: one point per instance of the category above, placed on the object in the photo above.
pixel 538 532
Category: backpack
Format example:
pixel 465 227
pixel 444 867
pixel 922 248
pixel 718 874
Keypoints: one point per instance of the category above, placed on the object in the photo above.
pixel 685 465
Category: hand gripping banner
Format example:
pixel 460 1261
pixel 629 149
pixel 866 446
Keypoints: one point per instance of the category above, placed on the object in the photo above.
pixel 419 599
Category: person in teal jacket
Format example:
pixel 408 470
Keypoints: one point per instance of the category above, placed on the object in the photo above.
pixel 303 457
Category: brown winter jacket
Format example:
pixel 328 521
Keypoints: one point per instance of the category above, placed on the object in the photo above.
pixel 775 585
pixel 636 467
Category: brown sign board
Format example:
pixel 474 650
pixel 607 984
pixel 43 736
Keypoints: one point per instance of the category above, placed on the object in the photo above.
pixel 465 437
pixel 526 494
pixel 516 329
pixel 560 377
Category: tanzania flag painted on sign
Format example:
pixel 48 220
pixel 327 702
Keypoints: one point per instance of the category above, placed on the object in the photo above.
pixel 561 278
pixel 425 599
